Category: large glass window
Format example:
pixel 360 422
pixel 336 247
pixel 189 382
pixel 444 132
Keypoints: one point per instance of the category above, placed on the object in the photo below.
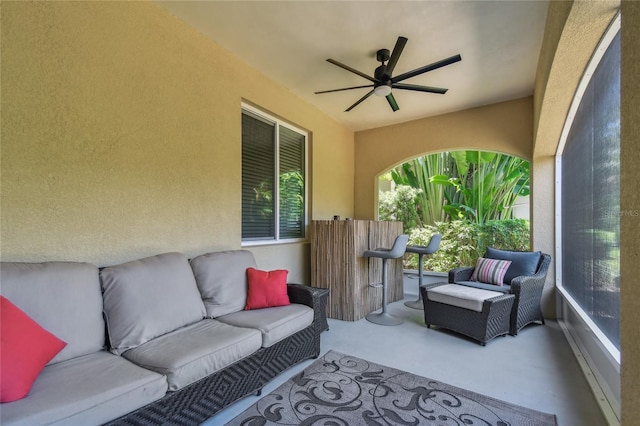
pixel 273 179
pixel 590 199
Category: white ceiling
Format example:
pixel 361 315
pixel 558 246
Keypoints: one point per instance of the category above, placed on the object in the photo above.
pixel 289 41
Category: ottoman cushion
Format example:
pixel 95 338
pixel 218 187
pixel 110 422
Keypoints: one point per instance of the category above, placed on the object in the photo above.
pixel 461 296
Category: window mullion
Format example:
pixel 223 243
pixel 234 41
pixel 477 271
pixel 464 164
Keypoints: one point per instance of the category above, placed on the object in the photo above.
pixel 276 181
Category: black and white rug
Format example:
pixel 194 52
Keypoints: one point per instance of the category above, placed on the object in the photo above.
pixel 339 390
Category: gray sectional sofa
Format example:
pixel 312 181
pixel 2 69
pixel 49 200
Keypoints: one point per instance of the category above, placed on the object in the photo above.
pixel 160 340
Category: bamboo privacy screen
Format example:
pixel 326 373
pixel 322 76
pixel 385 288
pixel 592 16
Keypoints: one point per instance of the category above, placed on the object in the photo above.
pixel 337 263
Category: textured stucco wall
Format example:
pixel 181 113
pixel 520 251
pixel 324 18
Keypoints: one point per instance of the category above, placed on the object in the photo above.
pixel 121 137
pixel 630 202
pixel 502 127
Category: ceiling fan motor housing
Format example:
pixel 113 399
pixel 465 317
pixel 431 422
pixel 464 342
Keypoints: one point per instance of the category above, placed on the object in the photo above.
pixel 383 55
pixel 381 74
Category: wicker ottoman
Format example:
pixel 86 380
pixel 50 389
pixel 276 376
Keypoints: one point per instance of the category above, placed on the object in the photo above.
pixel 479 314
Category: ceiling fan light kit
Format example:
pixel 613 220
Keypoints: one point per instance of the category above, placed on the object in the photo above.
pixel 383 81
pixel 382 90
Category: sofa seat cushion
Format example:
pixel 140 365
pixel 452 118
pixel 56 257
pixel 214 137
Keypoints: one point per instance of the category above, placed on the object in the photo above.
pixel 275 323
pixel 195 351
pixel 461 296
pixel 147 298
pixel 505 288
pixel 91 389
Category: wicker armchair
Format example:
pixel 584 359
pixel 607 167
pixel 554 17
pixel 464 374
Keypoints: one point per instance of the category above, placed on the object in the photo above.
pixel 526 288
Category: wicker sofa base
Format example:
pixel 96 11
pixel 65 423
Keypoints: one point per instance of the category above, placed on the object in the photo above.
pixel 197 402
pixel 482 326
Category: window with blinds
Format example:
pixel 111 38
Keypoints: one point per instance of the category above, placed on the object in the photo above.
pixel 273 179
pixel 590 199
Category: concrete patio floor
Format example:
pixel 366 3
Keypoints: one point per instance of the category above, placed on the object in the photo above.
pixel 535 369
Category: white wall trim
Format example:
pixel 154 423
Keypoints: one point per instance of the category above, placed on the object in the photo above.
pixel 611 415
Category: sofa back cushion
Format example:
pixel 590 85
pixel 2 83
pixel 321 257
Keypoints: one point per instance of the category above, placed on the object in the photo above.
pixel 63 298
pixel 147 298
pixel 222 280
pixel 522 262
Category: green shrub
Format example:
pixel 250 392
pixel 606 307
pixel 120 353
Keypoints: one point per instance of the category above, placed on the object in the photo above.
pixel 464 241
pixel 400 205
pixel 512 234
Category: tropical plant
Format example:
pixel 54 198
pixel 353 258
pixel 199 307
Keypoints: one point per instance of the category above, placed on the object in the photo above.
pixel 417 173
pixel 484 185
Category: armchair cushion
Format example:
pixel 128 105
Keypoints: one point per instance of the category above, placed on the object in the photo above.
pixel 522 263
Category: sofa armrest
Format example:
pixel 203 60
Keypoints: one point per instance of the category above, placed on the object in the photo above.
pixel 460 274
pixel 314 297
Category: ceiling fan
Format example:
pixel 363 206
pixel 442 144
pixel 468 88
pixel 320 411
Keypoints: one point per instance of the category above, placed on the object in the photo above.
pixel 383 80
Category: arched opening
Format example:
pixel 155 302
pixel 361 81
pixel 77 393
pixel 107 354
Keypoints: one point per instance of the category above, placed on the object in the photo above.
pixel 475 199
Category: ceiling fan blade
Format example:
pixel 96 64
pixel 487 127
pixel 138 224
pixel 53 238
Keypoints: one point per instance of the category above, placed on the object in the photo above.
pixel 395 55
pixel 392 102
pixel 427 68
pixel 417 88
pixel 340 90
pixel 353 70
pixel 358 102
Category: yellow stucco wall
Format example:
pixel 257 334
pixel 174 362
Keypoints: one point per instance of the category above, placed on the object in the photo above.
pixel 121 137
pixel 503 127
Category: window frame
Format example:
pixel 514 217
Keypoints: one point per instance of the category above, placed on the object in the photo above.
pixel 278 122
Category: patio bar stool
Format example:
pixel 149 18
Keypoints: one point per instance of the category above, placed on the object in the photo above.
pixel 395 252
pixel 421 251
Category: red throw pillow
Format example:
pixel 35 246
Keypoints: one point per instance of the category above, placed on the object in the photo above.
pixel 25 348
pixel 267 288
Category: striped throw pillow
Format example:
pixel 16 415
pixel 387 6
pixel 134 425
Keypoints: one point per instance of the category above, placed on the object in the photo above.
pixel 490 271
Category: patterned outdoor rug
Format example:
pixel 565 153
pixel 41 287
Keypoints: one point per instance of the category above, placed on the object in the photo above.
pixel 339 389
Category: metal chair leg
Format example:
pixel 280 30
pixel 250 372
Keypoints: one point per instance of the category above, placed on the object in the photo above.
pixel 383 317
pixel 417 304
